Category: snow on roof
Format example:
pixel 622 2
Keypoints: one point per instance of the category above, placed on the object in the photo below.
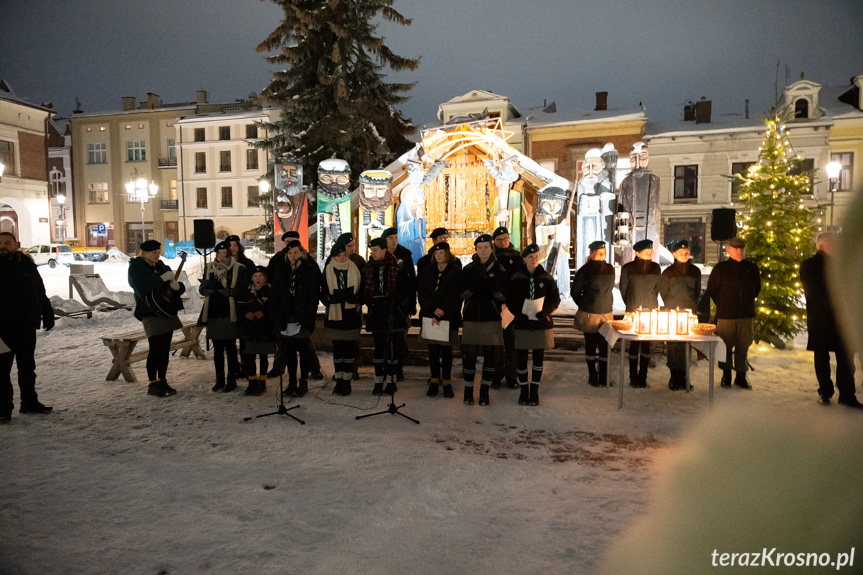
pixel 544 119
pixel 9 95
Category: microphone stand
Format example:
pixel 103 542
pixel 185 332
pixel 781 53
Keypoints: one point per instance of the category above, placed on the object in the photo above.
pixel 282 410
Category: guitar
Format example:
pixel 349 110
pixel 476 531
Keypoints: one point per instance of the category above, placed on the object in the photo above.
pixel 163 301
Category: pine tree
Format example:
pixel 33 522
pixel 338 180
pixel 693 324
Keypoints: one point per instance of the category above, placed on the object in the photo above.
pixel 778 230
pixel 332 94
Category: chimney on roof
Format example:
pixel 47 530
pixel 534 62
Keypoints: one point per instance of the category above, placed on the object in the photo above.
pixel 128 103
pixel 153 101
pixel 202 97
pixel 689 111
pixel 702 111
pixel 601 101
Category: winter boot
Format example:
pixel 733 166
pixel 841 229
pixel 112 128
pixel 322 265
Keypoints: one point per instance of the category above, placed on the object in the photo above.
pixel 168 388
pixel 483 394
pixel 346 388
pixel 157 387
pixel 495 383
pixel 230 383
pixel 633 373
pixel 533 396
pixel 592 377
pixel 339 387
pixel 468 395
pixel 391 388
pixel 434 385
pixel 378 389
pixel 740 380
pixel 253 382
pixel 603 374
pixel 523 394
pixel 726 378
pixel 36 407
pixel 303 388
pixel 262 385
pixel 220 382
pixel 447 389
pixel 291 390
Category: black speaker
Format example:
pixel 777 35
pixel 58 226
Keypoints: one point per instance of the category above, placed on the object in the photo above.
pixel 205 234
pixel 723 227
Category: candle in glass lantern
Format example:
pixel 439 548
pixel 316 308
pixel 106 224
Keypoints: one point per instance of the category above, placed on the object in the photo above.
pixel 642 323
pixel 662 324
pixel 682 322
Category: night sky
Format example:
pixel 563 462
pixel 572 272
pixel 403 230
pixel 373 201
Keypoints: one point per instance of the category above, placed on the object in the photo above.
pixel 659 53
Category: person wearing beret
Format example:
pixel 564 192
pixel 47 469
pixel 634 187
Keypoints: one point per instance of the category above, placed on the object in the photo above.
pixel 341 293
pixel 224 281
pixel 513 263
pixel 639 288
pixel 294 305
pixel 407 295
pixel 256 331
pixel 437 236
pixel 484 287
pixel 238 254
pixel 592 291
pixel 385 319
pixel 680 288
pixel 347 239
pixel 146 274
pixel 532 297
pixel 734 285
pixel 438 294
pixel 280 259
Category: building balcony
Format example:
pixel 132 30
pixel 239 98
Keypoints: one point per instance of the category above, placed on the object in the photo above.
pixel 169 204
pixel 167 163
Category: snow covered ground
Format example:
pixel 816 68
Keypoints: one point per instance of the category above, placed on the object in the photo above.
pixel 115 481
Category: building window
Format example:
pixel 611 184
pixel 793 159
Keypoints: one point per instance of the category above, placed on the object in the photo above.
pixel 7 157
pixel 172 149
pixel 172 192
pixel 99 193
pixel 58 186
pixel 200 162
pixel 225 161
pixel 802 167
pixel 846 176
pixel 801 108
pixel 136 151
pixel 690 229
pixel 224 132
pixel 251 131
pixel 253 197
pixel 201 194
pixel 97 153
pixel 251 159
pixel 199 135
pixel 741 168
pixel 686 182
pixel 227 197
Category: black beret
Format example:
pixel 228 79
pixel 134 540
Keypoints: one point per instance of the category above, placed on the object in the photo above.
pixel 438 246
pixel 378 243
pixel 483 238
pixel 389 232
pixel 531 249
pixel 338 248
pixel 233 239
pixel 597 245
pixel 150 246
pixel 223 245
pixel 260 269
pixel 290 234
pixel 294 244
pixel 345 238
pixel 499 232
pixel 643 245
pixel 678 245
pixel 439 232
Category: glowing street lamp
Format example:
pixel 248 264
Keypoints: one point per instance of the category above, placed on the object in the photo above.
pixel 61 215
pixel 140 191
pixel 833 171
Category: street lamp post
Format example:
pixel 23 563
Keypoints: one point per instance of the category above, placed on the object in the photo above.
pixel 264 200
pixel 833 171
pixel 138 191
pixel 61 215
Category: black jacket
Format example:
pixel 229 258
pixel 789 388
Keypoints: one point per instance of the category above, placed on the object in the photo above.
pixel 253 311
pixel 219 296
pixel 23 303
pixel 427 259
pixel 639 284
pixel 143 279
pixel 680 286
pixel 510 259
pixel 734 286
pixel 592 287
pixel 484 288
pixel 820 315
pixel 437 289
pixel 407 286
pixel 301 305
pixel 543 286
pixel 351 317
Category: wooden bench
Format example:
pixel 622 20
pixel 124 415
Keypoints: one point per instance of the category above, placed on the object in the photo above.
pixel 122 347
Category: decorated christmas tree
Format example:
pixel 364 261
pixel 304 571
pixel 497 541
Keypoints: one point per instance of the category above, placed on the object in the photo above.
pixel 778 229
pixel 331 91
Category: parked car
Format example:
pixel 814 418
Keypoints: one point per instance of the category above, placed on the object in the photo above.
pixel 51 254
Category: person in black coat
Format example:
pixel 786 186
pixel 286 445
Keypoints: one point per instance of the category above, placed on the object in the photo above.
pixel 680 288
pixel 437 236
pixel 639 288
pixel 385 319
pixel 534 327
pixel 341 294
pixel 484 287
pixel 512 262
pixel 407 293
pixel 256 331
pixel 592 291
pixel 23 308
pixel 148 273
pixel 438 294
pixel 294 304
pixel 734 285
pixel 824 334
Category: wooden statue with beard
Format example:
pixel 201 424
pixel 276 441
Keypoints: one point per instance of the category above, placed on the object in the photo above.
pixel 334 204
pixel 376 207
pixel 593 195
pixel 291 209
pixel 639 194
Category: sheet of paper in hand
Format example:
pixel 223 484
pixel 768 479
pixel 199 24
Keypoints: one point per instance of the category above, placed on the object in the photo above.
pixel 432 332
pixel 532 307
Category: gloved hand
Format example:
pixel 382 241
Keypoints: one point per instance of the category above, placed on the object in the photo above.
pixel 167 276
pixel 225 292
pixel 175 285
pixel 48 322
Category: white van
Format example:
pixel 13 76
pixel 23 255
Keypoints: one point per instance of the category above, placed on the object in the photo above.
pixel 51 254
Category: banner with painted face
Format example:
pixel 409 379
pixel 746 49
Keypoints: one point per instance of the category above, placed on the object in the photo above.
pixel 291 204
pixel 334 203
